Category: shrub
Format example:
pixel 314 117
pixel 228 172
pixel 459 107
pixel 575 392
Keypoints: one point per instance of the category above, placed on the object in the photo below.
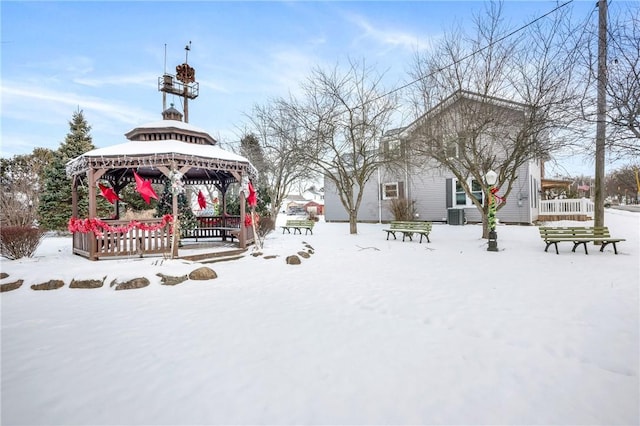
pixel 265 225
pixel 403 209
pixel 19 241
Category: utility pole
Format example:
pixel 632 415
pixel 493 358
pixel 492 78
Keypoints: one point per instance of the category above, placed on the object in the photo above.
pixel 602 111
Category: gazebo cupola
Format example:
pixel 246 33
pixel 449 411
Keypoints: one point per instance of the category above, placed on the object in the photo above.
pixel 171 114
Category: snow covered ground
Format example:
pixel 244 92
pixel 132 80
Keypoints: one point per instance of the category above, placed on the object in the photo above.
pixel 365 331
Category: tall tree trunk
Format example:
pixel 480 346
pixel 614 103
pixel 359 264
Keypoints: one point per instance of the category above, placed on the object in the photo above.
pixel 353 222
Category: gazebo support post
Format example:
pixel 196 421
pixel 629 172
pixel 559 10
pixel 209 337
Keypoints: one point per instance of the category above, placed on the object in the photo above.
pixel 74 197
pixel 93 211
pixel 176 227
pixel 242 238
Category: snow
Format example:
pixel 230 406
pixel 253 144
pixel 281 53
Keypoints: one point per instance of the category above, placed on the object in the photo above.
pixel 169 146
pixel 159 124
pixel 365 331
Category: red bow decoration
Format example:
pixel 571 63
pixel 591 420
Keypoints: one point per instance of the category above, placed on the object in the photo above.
pixel 250 219
pixel 494 192
pixel 251 198
pixel 108 193
pixel 144 188
pixel 202 202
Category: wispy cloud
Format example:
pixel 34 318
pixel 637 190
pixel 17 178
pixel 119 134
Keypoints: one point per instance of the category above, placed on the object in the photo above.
pixel 39 98
pixel 390 38
pixel 146 79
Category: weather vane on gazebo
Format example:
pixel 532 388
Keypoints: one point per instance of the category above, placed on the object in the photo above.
pixel 182 84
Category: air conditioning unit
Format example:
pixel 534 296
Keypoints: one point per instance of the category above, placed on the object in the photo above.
pixel 455 216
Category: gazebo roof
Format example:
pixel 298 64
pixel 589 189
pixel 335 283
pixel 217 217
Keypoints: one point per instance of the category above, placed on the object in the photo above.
pixel 168 129
pixel 208 163
pixel 169 144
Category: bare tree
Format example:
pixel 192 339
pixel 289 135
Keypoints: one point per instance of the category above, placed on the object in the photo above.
pixel 622 78
pixel 344 115
pixel 278 161
pixel 623 83
pixel 493 102
pixel 624 183
pixel 21 180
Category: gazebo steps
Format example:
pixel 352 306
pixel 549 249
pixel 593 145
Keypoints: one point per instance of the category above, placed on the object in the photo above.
pixel 217 256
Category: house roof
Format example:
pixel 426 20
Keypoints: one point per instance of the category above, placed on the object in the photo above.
pixel 452 99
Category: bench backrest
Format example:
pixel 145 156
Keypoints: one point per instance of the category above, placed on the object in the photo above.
pixel 575 231
pixel 419 226
pixel 301 222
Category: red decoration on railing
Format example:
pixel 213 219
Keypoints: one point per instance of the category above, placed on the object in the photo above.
pixel 98 226
pixel 248 221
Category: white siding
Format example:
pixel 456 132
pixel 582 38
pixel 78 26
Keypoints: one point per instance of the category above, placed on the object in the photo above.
pixel 428 188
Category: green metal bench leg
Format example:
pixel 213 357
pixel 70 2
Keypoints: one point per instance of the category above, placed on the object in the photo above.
pixel 584 243
pixel 604 244
pixel 555 244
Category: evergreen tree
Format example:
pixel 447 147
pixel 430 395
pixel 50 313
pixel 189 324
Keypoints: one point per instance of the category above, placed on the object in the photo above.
pixel 251 149
pixel 55 208
pixel 186 217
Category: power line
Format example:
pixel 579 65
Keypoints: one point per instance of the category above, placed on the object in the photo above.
pixel 517 30
pixel 404 86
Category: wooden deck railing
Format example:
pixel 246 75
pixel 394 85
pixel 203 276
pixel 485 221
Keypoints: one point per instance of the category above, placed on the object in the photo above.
pixel 568 207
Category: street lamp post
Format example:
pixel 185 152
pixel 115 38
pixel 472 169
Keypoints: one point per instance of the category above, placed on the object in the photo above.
pixel 490 178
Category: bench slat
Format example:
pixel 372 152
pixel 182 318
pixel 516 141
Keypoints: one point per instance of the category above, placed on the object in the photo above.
pixel 408 228
pixel 578 235
pixel 297 225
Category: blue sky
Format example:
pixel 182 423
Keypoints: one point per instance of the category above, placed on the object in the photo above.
pixel 105 57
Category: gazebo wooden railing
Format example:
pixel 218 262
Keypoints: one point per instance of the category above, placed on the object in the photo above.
pixel 214 227
pixel 133 242
pixel 223 227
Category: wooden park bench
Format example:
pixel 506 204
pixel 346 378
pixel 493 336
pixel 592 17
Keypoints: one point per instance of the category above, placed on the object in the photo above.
pixel 408 228
pixel 298 225
pixel 578 235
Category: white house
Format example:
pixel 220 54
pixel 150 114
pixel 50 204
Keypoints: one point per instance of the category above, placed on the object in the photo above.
pixel 437 194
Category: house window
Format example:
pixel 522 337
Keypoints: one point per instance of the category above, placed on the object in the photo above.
pixel 476 191
pixel 394 148
pixel 390 191
pixel 450 146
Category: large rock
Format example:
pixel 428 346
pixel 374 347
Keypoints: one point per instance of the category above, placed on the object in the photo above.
pixel 3 275
pixel 10 286
pixel 293 260
pixel 87 283
pixel 131 284
pixel 49 285
pixel 202 274
pixel 169 280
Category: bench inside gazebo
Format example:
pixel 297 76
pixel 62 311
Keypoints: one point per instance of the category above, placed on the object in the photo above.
pixel 165 151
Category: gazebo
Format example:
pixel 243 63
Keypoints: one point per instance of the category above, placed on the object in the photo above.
pixel 169 149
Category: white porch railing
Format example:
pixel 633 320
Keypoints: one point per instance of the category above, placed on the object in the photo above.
pixel 567 207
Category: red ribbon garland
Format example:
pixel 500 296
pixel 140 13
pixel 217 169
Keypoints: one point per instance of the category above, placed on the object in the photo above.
pixel 494 192
pixel 98 226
